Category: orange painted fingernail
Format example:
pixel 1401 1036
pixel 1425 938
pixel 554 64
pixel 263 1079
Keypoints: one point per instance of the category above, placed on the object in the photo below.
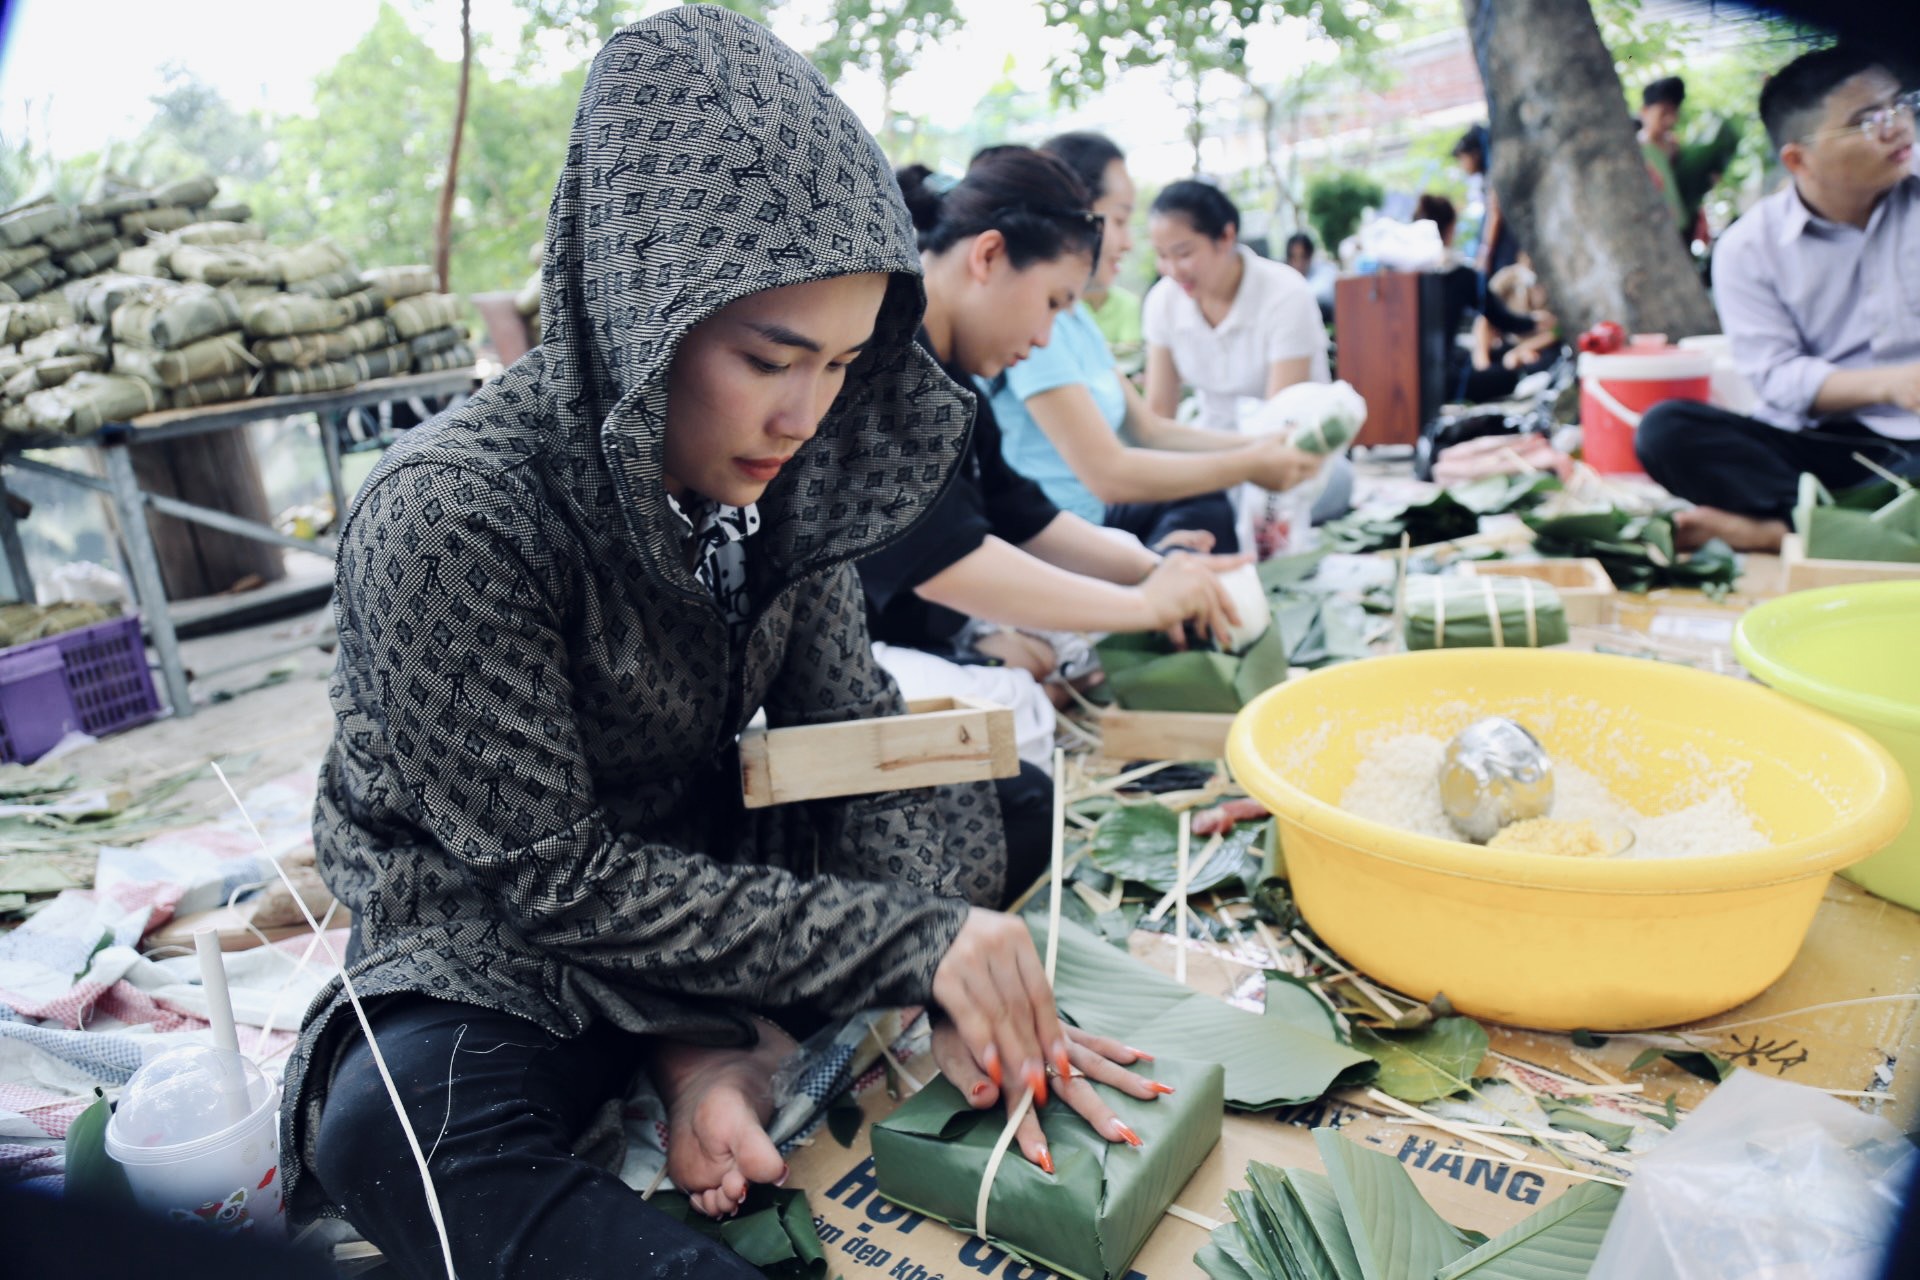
pixel 993 1067
pixel 1046 1160
pixel 1062 1062
pixel 1157 1087
pixel 1141 1054
pixel 1037 1081
pixel 1133 1139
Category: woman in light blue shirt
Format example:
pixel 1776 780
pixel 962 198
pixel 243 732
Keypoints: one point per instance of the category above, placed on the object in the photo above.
pixel 1071 423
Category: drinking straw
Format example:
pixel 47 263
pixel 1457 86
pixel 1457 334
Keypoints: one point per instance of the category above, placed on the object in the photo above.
pixel 213 976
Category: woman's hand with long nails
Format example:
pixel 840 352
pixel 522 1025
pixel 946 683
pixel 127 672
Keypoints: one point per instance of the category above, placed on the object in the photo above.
pixel 1091 1058
pixel 993 987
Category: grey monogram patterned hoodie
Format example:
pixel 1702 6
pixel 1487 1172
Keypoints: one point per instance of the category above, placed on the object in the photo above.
pixel 532 798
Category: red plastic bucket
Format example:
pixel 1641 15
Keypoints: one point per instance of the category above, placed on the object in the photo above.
pixel 1616 389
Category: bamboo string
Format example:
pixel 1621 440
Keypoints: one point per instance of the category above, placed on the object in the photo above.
pixel 1180 898
pixel 366 1027
pixel 1019 1112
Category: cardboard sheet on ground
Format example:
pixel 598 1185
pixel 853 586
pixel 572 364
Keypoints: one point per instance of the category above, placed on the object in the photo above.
pixel 1268 1061
pixel 1859 947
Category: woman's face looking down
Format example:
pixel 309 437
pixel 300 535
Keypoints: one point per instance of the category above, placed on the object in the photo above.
pixel 752 382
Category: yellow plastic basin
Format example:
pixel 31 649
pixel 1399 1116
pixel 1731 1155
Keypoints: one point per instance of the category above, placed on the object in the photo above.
pixel 1561 943
pixel 1852 651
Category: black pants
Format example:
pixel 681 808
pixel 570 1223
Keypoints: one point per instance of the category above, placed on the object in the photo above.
pixel 1152 521
pixel 1720 459
pixel 1026 809
pixel 497 1102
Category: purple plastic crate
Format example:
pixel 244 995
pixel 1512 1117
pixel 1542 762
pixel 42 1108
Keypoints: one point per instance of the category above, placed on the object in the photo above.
pixel 106 672
pixel 36 710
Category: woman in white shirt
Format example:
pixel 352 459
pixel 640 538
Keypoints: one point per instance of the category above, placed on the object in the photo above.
pixel 1228 323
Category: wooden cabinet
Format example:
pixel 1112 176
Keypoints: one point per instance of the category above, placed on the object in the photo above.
pixel 1391 345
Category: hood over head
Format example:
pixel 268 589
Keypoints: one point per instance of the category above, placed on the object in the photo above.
pixel 709 161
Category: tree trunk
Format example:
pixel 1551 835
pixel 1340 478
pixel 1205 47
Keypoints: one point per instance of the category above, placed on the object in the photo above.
pixel 443 227
pixel 1570 177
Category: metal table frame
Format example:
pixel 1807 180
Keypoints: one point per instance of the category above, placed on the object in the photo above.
pixel 131 503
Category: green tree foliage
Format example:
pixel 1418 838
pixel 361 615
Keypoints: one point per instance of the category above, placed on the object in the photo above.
pixel 1335 202
pixel 1191 39
pixel 884 38
pixel 196 130
pixel 366 166
pixel 584 25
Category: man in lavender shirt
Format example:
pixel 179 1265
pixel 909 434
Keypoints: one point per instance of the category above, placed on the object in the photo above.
pixel 1818 287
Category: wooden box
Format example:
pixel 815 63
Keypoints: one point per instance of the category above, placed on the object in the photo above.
pixel 1799 573
pixel 938 741
pixel 1586 592
pixel 1391 345
pixel 1164 735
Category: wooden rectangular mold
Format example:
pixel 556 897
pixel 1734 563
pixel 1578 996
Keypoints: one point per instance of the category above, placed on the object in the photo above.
pixel 1586 592
pixel 1801 573
pixel 938 741
pixel 1164 735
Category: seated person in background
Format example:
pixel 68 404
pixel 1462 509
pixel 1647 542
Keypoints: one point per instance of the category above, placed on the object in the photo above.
pixel 1818 287
pixel 1006 250
pixel 1659 113
pixel 1114 308
pixel 1462 299
pixel 1317 272
pixel 1499 362
pixel 1232 325
pixel 1073 425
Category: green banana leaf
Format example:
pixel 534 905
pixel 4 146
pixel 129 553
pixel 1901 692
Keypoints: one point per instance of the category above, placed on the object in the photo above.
pixel 1268 1061
pixel 1636 551
pixel 1301 1211
pixel 1436 1061
pixel 1145 673
pixel 1559 1242
pixel 1333 629
pixel 1218 1262
pixel 1877 522
pixel 1290 569
pixel 1446 515
pixel 773 1231
pixel 1266 1249
pixel 1462 602
pixel 92 1174
pixel 1141 843
pixel 1088 1218
pixel 1293 1001
pixel 1396 1234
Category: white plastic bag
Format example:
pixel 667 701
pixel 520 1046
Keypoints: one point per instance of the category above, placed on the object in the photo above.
pixel 1318 417
pixel 1764 1181
pixel 1402 246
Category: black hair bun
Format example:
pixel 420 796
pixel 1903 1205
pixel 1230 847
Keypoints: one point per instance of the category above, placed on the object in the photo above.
pixel 923 200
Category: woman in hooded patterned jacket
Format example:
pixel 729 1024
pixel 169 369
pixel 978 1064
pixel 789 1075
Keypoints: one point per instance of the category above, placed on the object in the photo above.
pixel 558 606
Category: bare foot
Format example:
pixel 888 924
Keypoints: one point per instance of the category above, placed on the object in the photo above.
pixel 718 1104
pixel 1694 527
